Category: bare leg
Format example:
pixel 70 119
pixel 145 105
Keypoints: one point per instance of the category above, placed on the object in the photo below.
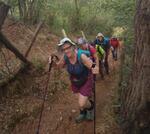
pixel 83 101
pixel 84 106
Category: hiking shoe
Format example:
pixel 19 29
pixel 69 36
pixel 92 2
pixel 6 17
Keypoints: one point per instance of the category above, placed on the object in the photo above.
pixel 90 115
pixel 80 118
pixel 107 72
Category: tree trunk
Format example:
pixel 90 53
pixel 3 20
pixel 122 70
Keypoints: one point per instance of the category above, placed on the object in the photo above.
pixel 23 11
pixel 77 16
pixel 3 13
pixel 20 6
pixel 136 101
pixel 29 11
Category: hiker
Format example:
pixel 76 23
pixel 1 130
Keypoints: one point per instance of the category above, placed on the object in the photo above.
pixel 84 45
pixel 104 43
pixel 114 47
pixel 81 69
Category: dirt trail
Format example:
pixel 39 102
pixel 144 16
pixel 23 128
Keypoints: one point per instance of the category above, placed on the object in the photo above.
pixel 59 113
pixel 106 95
pixel 58 118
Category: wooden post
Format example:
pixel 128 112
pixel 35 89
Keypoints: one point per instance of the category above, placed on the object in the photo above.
pixel 33 39
pixel 64 33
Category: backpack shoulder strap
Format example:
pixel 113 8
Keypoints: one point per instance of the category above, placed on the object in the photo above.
pixel 66 59
pixel 80 51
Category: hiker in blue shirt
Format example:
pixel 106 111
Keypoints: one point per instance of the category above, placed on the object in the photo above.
pixel 104 43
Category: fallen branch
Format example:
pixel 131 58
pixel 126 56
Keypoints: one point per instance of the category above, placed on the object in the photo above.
pixel 11 47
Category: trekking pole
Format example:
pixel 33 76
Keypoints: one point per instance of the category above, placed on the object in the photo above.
pixel 94 107
pixel 83 35
pixel 64 33
pixel 46 87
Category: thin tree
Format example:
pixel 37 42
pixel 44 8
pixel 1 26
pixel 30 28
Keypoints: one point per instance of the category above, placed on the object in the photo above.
pixel 135 108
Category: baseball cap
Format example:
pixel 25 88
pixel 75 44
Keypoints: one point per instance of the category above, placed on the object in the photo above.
pixel 81 41
pixel 65 40
pixel 100 34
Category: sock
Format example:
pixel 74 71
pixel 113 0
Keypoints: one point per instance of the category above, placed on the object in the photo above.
pixel 92 105
pixel 83 111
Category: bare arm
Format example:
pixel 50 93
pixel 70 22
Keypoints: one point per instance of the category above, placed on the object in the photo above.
pixel 104 56
pixel 59 63
pixel 96 59
pixel 88 63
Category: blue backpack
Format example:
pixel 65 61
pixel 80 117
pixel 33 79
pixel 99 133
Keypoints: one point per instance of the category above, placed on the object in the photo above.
pixel 80 51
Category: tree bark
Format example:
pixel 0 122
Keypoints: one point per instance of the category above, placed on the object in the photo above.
pixel 3 13
pixel 136 101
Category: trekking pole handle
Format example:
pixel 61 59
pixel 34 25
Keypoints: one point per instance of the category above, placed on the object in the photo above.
pixel 52 60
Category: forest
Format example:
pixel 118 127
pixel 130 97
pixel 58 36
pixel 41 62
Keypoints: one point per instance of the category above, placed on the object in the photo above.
pixel 36 97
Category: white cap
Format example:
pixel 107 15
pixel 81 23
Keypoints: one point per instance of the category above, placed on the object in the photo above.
pixel 81 41
pixel 64 40
pixel 100 34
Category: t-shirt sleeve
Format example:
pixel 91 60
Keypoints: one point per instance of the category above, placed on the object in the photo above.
pixel 95 41
pixel 108 44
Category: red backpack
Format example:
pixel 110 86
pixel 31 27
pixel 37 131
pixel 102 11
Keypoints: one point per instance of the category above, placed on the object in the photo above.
pixel 114 42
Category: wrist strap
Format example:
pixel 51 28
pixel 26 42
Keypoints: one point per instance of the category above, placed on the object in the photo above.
pixel 93 65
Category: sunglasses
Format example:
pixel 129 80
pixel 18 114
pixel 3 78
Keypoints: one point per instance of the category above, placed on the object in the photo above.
pixel 67 48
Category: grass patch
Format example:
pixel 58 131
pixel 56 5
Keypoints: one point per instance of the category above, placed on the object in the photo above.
pixel 38 64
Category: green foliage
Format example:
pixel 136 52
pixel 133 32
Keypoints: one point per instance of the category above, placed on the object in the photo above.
pixel 91 16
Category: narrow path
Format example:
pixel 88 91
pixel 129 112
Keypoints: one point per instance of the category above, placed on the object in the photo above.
pixel 58 118
pixel 60 111
pixel 106 95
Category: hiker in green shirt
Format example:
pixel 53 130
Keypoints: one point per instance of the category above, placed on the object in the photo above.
pixel 101 56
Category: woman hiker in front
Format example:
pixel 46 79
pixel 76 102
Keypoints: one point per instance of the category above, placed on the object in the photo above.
pixel 81 69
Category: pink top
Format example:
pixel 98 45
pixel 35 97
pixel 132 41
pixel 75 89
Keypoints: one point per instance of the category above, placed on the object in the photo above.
pixel 92 50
